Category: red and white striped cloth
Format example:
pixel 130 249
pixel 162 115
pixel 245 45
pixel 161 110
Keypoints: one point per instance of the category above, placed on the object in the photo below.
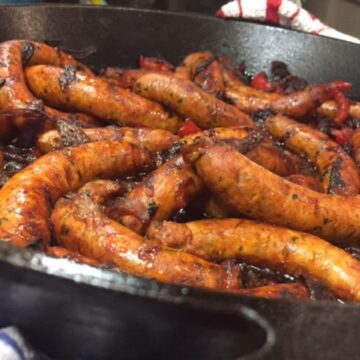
pixel 284 13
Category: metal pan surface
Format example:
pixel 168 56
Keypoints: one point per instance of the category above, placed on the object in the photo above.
pixel 90 300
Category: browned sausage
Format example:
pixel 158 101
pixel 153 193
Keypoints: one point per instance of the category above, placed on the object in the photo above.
pixel 255 145
pixel 190 101
pixel 241 137
pixel 159 196
pixel 262 195
pixel 60 252
pixel 298 105
pixel 80 225
pixel 355 147
pixel 206 72
pixel 292 291
pixel 183 71
pixel 81 119
pixel 211 207
pixel 155 63
pixel 76 91
pixel 337 169
pixel 14 94
pixel 309 182
pixel 293 252
pixel 274 159
pixel 210 79
pixel 26 199
pixel 1 162
pixel 127 78
pixel 153 140
pixel 330 109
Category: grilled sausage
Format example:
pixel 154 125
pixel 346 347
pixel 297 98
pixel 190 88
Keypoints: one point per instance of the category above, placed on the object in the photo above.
pixel 14 94
pixel 155 64
pixel 297 105
pixel 26 199
pixel 274 159
pixel 60 252
pixel 355 147
pixel 80 225
pixel 264 196
pixel 292 291
pixel 254 144
pixel 81 119
pixel 206 72
pixel 74 90
pixel 337 169
pixel 159 196
pixel 210 207
pixel 153 140
pixel 330 109
pixel 307 181
pixel 293 252
pixel 127 78
pixel 190 101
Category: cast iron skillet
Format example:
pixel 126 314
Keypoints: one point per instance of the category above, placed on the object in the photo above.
pixel 74 311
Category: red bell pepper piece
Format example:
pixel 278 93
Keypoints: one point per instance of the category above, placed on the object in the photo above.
pixel 343 106
pixel 260 81
pixel 342 136
pixel 188 128
pixel 342 86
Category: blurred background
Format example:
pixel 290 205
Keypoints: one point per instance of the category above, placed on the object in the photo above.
pixel 344 15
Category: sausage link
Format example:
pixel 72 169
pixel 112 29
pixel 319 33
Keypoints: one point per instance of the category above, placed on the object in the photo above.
pixel 337 169
pixel 75 90
pixel 292 291
pixel 254 144
pixel 264 196
pixel 208 206
pixel 330 109
pixel 60 252
pixel 14 94
pixel 355 147
pixel 293 252
pixel 159 196
pixel 153 140
pixel 126 78
pixel 307 181
pixel 188 100
pixel 206 72
pixel 274 159
pixel 80 226
pixel 26 199
pixel 298 105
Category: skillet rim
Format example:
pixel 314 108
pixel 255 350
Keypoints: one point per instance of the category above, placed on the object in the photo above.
pixel 153 289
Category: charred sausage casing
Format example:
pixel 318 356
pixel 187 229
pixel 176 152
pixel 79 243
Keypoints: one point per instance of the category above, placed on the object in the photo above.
pixel 74 90
pixel 27 198
pixel 337 169
pixel 159 196
pixel 80 225
pixel 188 100
pixel 153 140
pixel 262 195
pixel 293 252
pixel 14 94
